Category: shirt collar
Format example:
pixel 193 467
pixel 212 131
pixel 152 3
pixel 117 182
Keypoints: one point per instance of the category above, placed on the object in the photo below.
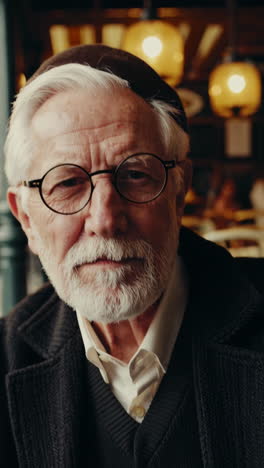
pixel 163 331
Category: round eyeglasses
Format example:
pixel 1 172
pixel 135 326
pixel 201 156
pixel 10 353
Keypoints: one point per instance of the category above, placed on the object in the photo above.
pixel 67 188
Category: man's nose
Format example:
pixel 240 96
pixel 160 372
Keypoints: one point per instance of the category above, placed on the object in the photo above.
pixel 107 215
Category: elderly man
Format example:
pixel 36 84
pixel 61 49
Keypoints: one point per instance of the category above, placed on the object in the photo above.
pixel 146 350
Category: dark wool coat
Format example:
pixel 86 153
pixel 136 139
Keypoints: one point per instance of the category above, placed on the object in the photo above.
pixel 56 411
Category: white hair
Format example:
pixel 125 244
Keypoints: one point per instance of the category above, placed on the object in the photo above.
pixel 19 147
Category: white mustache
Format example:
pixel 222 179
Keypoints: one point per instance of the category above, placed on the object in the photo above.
pixel 116 250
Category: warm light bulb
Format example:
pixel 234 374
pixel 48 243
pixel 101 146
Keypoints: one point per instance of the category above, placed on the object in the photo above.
pixel 236 83
pixel 159 44
pixel 152 46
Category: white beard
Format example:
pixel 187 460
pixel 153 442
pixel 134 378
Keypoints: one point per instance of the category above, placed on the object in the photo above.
pixel 110 295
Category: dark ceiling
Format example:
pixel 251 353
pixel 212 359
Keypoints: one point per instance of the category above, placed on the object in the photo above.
pixel 54 4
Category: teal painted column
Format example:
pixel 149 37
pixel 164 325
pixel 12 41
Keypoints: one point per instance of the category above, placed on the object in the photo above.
pixel 12 239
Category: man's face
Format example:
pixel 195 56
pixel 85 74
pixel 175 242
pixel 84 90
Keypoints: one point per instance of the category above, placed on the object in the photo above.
pixel 112 260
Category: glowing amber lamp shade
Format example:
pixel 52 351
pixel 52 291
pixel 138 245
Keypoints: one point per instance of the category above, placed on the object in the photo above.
pixel 235 89
pixel 160 45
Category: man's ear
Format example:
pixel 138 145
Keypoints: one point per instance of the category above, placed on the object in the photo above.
pixel 17 209
pixel 186 167
pixel 187 174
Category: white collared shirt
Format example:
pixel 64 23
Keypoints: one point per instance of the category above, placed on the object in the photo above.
pixel 134 384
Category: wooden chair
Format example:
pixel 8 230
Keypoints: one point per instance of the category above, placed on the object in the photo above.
pixel 199 224
pixel 252 215
pixel 240 241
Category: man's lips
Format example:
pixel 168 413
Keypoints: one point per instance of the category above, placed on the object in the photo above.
pixel 104 261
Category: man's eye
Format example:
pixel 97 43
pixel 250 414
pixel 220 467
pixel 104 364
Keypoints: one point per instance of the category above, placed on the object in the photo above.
pixel 64 186
pixel 72 182
pixel 136 175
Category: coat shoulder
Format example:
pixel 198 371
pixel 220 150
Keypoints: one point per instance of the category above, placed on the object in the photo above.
pixel 11 344
pixel 253 268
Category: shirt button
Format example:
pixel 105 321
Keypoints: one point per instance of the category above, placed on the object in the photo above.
pixel 139 411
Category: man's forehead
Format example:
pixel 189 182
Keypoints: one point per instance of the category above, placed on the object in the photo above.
pixel 86 109
pixel 142 78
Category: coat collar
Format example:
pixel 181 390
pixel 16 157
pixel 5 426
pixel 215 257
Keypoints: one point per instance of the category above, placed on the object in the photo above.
pixel 49 323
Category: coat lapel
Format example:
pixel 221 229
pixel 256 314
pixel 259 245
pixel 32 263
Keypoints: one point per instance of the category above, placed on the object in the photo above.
pixel 45 399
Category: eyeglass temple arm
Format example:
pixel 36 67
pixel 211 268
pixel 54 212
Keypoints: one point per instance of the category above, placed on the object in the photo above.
pixel 170 164
pixel 32 183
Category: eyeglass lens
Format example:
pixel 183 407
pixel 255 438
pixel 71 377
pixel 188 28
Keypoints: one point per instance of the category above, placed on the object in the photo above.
pixel 67 188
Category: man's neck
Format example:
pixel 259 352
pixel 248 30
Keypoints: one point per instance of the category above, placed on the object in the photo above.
pixel 122 339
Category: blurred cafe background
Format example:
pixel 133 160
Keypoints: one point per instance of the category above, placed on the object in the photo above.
pixel 211 51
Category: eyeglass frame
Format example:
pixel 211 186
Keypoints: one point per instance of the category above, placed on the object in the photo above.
pixel 37 183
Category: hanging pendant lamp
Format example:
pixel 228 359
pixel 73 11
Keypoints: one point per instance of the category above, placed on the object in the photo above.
pixel 234 85
pixel 158 43
pixel 235 89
